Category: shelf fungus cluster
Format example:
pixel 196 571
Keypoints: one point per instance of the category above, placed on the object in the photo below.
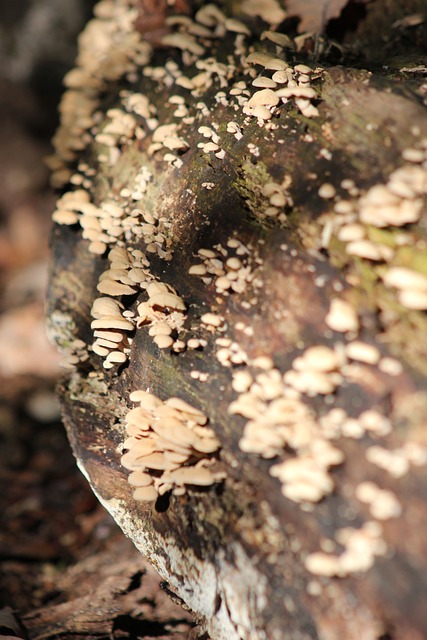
pixel 379 226
pixel 109 48
pixel 286 83
pixel 163 311
pixel 361 547
pixel 169 447
pixel 280 418
pixel 228 268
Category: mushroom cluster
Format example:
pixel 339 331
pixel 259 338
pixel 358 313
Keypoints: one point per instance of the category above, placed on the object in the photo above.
pixel 169 447
pixel 110 331
pixel 163 311
pixel 376 225
pixel 112 321
pixel 118 219
pixel 285 83
pixel 108 50
pixel 279 417
pixel 411 286
pixel 228 273
pixel 399 201
pixel 361 547
pixel 278 197
pixel 109 223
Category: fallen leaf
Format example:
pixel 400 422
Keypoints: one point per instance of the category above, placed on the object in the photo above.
pixel 269 10
pixel 315 14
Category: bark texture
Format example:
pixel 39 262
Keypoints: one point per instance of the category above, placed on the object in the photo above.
pixel 241 553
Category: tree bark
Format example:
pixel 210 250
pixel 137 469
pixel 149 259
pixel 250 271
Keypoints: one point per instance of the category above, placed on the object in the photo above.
pixel 240 554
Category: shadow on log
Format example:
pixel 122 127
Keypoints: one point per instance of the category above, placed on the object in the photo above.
pixel 279 202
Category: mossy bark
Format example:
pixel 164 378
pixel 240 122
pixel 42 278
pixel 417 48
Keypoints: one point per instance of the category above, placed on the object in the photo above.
pixel 235 552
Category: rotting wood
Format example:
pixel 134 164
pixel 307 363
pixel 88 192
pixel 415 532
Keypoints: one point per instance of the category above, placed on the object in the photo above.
pixel 319 554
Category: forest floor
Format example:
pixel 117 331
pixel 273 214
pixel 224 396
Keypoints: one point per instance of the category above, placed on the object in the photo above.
pixel 66 570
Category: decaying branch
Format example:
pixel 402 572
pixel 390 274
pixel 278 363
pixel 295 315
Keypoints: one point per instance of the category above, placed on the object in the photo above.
pixel 242 227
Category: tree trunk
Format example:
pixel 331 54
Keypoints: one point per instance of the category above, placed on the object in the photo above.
pixel 313 524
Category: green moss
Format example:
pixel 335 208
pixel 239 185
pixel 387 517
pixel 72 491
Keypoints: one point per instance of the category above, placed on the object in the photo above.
pixel 249 183
pixel 382 236
pixel 411 258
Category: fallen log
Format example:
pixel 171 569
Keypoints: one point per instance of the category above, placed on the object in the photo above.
pixel 238 284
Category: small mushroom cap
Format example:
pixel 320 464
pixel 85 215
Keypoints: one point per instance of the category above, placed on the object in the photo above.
pixel 118 357
pixel 97 246
pixel 139 429
pixel 137 415
pixel 264 97
pixel 115 337
pixel 264 82
pixel 190 475
pixel 137 275
pixel 206 253
pixel 183 406
pixel 362 352
pixel 323 564
pixel 176 457
pixel 310 382
pixel 299 92
pixel 163 341
pixel 135 459
pixel 342 316
pixel 154 461
pixel 104 342
pixel 175 434
pixel 278 38
pixel 140 479
pixel 99 350
pixel 157 287
pixel 413 299
pixel 112 288
pixel 318 358
pixel 184 42
pixel 112 322
pixel 160 328
pixel 266 61
pixel 197 270
pixel 147 400
pixel 146 494
pixel 106 307
pixel 207 445
pixel 404 278
pixel 119 275
pixel 258 111
pixel 236 26
pixel 166 300
pixel 212 319
pixel 119 253
pixel 62 216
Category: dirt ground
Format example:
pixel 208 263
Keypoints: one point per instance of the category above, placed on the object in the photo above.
pixel 66 570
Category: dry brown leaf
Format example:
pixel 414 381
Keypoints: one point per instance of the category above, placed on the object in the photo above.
pixel 315 14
